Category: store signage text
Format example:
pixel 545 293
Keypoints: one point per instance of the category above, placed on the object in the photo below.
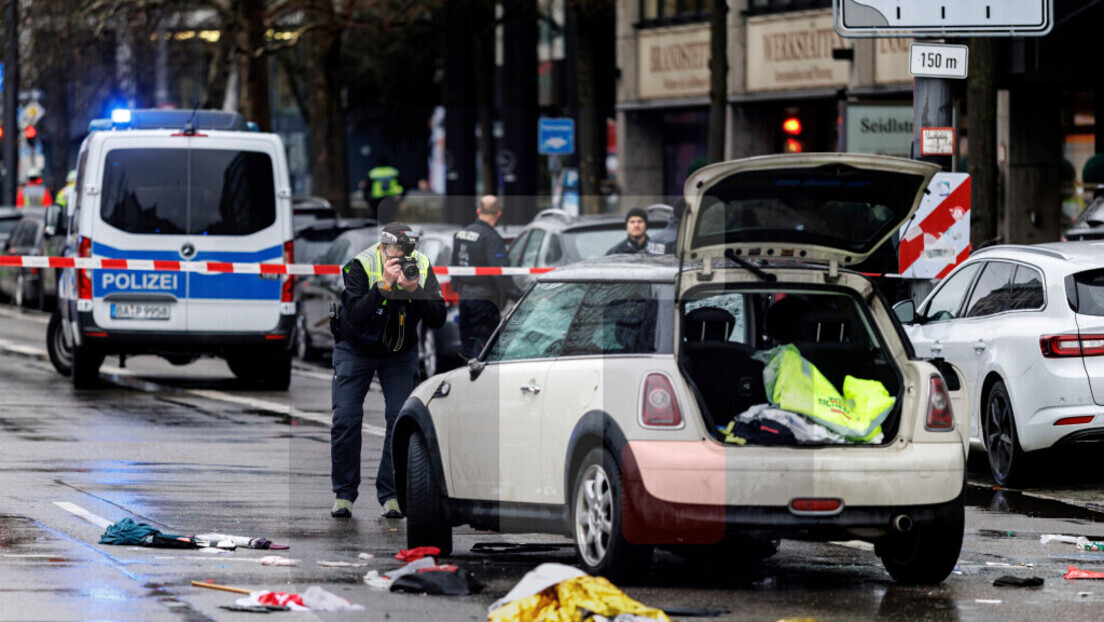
pixel 673 62
pixel 794 52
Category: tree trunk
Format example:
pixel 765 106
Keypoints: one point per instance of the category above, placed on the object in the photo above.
pixel 718 78
pixel 981 98
pixel 254 65
pixel 329 177
pixel 483 44
pixel 594 28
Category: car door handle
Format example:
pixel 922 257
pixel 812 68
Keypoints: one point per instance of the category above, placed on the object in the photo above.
pixel 530 388
pixel 979 345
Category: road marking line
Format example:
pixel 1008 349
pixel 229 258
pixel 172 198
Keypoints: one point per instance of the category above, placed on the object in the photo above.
pixel 856 544
pixel 98 521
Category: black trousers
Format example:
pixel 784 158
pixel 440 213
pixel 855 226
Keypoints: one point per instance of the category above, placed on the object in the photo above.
pixel 478 320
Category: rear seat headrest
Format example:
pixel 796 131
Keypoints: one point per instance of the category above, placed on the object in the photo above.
pixel 709 324
pixel 822 325
pixel 782 317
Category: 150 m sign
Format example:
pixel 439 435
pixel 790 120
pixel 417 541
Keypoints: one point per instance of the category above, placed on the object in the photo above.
pixel 930 60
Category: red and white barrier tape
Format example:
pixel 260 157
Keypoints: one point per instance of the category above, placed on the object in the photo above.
pixel 96 263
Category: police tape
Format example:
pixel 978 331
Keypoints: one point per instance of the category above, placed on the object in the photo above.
pixel 215 267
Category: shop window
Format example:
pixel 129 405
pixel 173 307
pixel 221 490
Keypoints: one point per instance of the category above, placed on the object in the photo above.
pixel 780 6
pixel 667 12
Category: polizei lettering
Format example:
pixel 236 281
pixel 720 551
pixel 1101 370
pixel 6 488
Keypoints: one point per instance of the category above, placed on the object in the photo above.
pixel 140 281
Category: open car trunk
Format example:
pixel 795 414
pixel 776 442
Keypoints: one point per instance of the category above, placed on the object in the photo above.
pixel 729 336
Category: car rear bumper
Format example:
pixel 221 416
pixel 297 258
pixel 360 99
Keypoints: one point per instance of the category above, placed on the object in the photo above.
pixel 674 498
pixel 1040 432
pixel 183 342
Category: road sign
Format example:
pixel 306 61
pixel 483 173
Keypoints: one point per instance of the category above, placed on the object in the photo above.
pixel 931 60
pixel 556 136
pixel 937 237
pixel 927 18
pixel 31 113
pixel 937 141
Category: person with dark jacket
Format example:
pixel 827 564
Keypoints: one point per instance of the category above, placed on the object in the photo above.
pixel 389 289
pixel 636 242
pixel 481 297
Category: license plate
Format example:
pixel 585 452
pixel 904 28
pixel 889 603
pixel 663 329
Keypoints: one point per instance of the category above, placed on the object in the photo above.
pixel 140 311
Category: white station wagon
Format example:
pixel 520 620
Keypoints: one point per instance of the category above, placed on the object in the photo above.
pixel 633 402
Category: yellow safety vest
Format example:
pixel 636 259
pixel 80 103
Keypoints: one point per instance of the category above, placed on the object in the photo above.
pixel 796 385
pixel 385 182
pixel 372 260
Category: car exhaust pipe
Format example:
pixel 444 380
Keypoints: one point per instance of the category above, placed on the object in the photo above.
pixel 902 523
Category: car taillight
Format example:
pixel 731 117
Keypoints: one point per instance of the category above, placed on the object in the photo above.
pixel 1058 346
pixel 659 408
pixel 84 282
pixel 287 290
pixel 939 415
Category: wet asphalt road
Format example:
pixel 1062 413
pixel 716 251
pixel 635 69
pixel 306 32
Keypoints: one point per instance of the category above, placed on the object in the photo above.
pixel 187 449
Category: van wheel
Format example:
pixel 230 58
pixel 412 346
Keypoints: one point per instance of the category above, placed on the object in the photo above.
pixel 596 517
pixel 426 523
pixel 57 345
pixel 926 554
pixel 1007 460
pixel 267 370
pixel 86 368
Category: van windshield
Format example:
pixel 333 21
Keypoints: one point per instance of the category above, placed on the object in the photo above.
pixel 151 191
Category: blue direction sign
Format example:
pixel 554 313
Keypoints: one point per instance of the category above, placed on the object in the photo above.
pixel 1 77
pixel 556 136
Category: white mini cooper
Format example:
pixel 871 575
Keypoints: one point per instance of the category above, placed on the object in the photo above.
pixel 623 401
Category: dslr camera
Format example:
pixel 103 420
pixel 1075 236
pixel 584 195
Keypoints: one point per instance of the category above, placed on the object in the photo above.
pixel 409 267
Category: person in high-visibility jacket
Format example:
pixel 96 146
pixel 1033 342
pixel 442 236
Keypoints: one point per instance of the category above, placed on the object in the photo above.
pixel 33 193
pixel 376 332
pixel 383 182
pixel 63 194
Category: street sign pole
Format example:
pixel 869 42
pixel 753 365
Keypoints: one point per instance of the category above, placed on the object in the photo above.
pixel 11 103
pixel 931 108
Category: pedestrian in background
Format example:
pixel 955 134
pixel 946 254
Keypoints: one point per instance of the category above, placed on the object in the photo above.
pixel 383 183
pixel 62 198
pixel 389 289
pixel 481 297
pixel 636 240
pixel 33 193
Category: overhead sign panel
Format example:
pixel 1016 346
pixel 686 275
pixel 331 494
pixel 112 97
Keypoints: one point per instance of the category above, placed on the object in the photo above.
pixel 943 18
pixel 930 60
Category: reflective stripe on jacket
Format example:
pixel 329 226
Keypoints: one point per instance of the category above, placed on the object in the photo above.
pixel 371 259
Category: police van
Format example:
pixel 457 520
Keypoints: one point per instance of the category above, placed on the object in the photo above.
pixel 181 186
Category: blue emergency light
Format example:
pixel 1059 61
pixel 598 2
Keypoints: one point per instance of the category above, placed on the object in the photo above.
pixel 120 116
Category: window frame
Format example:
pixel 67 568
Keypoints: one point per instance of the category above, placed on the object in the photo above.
pixel 661 293
pixel 965 309
pixel 682 15
pixel 497 335
pixel 1042 284
pixel 926 307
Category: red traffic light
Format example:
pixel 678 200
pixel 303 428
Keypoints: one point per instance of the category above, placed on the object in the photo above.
pixel 793 146
pixel 1 132
pixel 792 126
pixel 30 132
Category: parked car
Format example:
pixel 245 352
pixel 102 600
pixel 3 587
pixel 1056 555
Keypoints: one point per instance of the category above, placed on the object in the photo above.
pixel 311 240
pixel 40 232
pixel 1089 224
pixel 556 238
pixel 8 217
pixel 308 210
pixel 1025 324
pixel 612 388
pixel 439 349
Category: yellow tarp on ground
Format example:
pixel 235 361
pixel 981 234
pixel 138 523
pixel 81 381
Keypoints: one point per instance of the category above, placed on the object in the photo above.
pixel 567 600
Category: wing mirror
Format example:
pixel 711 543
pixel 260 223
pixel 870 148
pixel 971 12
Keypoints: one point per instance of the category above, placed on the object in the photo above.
pixel 475 367
pixel 905 311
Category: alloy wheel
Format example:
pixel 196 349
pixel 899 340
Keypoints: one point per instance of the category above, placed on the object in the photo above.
pixel 999 435
pixel 594 515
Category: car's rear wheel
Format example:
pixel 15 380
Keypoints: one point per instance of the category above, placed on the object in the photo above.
pixel 86 368
pixel 426 523
pixel 1007 460
pixel 596 517
pixel 926 554
pixel 57 346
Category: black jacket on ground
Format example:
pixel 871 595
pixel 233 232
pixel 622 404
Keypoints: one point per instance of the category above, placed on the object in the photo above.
pixel 479 245
pixel 375 320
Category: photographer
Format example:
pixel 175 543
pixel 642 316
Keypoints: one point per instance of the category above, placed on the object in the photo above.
pixel 389 289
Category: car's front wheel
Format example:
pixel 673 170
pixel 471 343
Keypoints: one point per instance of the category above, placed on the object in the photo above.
pixel 597 514
pixel 926 554
pixel 57 345
pixel 1007 460
pixel 426 522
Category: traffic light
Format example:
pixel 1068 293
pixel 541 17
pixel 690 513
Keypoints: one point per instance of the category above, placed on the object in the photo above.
pixel 30 132
pixel 791 127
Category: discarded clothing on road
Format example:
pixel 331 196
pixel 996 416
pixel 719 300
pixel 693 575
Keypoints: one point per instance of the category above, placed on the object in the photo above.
pixel 1011 581
pixel 1080 542
pixel 1074 573
pixel 565 599
pixel 409 555
pixel 443 580
pixel 384 581
pixel 128 532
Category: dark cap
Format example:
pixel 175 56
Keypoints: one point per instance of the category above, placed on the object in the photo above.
pixel 399 234
pixel 636 211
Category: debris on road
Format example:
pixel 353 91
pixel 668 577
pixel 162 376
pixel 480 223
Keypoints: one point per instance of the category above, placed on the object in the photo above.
pixel 128 532
pixel 1080 542
pixel 314 599
pixel 276 560
pixel 1011 581
pixel 442 580
pixel 329 564
pixel 556 591
pixel 366 556
pixel 506 548
pixel 409 555
pixel 384 581
pixel 1075 573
